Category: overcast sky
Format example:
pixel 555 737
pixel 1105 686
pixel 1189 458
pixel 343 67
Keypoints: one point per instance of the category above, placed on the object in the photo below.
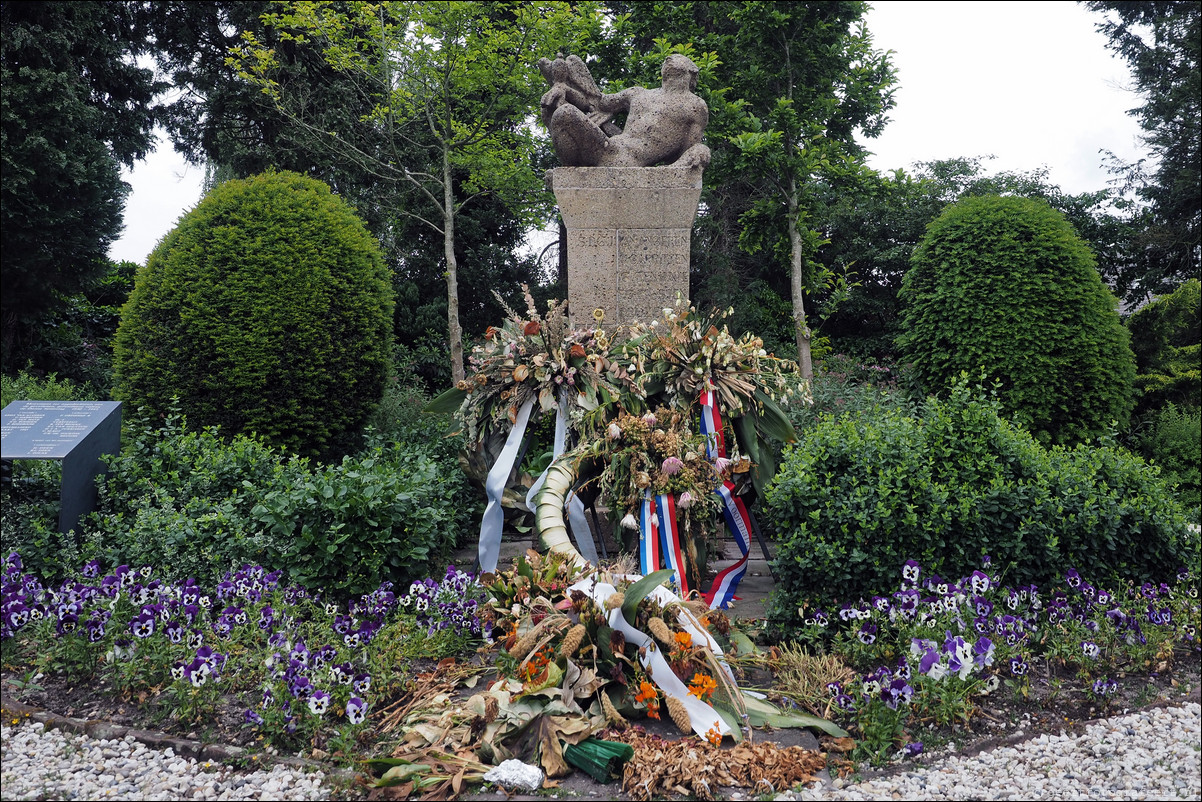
pixel 1031 83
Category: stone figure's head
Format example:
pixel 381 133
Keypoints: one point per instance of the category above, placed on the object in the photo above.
pixel 679 68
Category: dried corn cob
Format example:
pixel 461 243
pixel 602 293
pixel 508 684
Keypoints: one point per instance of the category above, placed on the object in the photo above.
pixel 679 714
pixel 661 632
pixel 572 641
pixel 612 716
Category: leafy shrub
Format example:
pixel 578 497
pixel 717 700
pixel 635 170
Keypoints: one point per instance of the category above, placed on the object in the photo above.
pixel 198 505
pixel 178 499
pixel 388 515
pixel 26 386
pixel 1004 284
pixel 185 463
pixel 400 421
pixel 267 310
pixel 29 522
pixel 1166 336
pixel 1174 442
pixel 858 497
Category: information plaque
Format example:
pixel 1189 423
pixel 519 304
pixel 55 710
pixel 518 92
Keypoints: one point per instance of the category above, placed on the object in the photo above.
pixel 75 432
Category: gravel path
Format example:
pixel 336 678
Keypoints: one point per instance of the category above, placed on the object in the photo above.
pixel 1151 754
pixel 36 763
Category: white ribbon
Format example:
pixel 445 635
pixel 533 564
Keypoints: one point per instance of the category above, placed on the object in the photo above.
pixel 581 532
pixel 494 487
pixel 703 717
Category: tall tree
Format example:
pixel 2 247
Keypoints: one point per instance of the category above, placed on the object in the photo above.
pixel 1161 40
pixel 873 223
pixel 75 106
pixel 453 86
pixel 227 123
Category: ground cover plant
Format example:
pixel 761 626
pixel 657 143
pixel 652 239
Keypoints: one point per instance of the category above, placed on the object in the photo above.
pixel 299 671
pixel 528 665
pixel 299 656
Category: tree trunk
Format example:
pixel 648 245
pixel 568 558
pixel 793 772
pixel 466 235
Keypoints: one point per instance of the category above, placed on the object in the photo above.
pixel 454 332
pixel 796 286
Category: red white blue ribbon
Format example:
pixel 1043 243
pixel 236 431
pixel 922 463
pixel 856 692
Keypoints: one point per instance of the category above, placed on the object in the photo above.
pixel 669 539
pixel 722 592
pixel 660 534
pixel 648 534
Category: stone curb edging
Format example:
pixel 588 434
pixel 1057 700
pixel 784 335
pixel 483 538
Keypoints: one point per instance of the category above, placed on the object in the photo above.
pixel 199 750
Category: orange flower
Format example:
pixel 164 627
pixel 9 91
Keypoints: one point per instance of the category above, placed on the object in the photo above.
pixel 537 665
pixel 531 328
pixel 490 332
pixel 648 694
pixel 577 350
pixel 702 686
pixel 684 640
pixel 714 736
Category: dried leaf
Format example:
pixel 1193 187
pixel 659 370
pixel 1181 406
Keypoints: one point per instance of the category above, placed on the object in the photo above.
pixel 545 736
pixel 838 744
pixel 689 767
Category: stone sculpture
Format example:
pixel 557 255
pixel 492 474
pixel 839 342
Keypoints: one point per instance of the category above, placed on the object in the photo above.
pixel 663 126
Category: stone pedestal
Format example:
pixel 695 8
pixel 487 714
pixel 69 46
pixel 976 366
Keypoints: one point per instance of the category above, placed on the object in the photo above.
pixel 628 239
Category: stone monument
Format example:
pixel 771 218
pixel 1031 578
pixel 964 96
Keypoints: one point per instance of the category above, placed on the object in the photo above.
pixel 627 196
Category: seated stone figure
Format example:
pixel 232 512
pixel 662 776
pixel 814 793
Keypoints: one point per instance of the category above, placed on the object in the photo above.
pixel 663 126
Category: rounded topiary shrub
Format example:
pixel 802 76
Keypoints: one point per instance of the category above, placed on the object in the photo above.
pixel 857 497
pixel 1004 285
pixel 267 311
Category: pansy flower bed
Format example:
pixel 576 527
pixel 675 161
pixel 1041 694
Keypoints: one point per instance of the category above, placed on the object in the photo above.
pixel 303 671
pixel 935 649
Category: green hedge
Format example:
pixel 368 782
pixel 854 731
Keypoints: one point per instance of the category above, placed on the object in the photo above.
pixel 345 528
pixel 177 499
pixel 857 497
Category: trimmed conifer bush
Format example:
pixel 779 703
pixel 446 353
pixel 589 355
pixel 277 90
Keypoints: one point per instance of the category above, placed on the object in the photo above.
pixel 267 311
pixel 1166 336
pixel 1005 286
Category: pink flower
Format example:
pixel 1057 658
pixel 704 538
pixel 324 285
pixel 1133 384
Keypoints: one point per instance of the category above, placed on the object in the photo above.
pixel 685 501
pixel 671 465
pixel 649 419
pixel 721 464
